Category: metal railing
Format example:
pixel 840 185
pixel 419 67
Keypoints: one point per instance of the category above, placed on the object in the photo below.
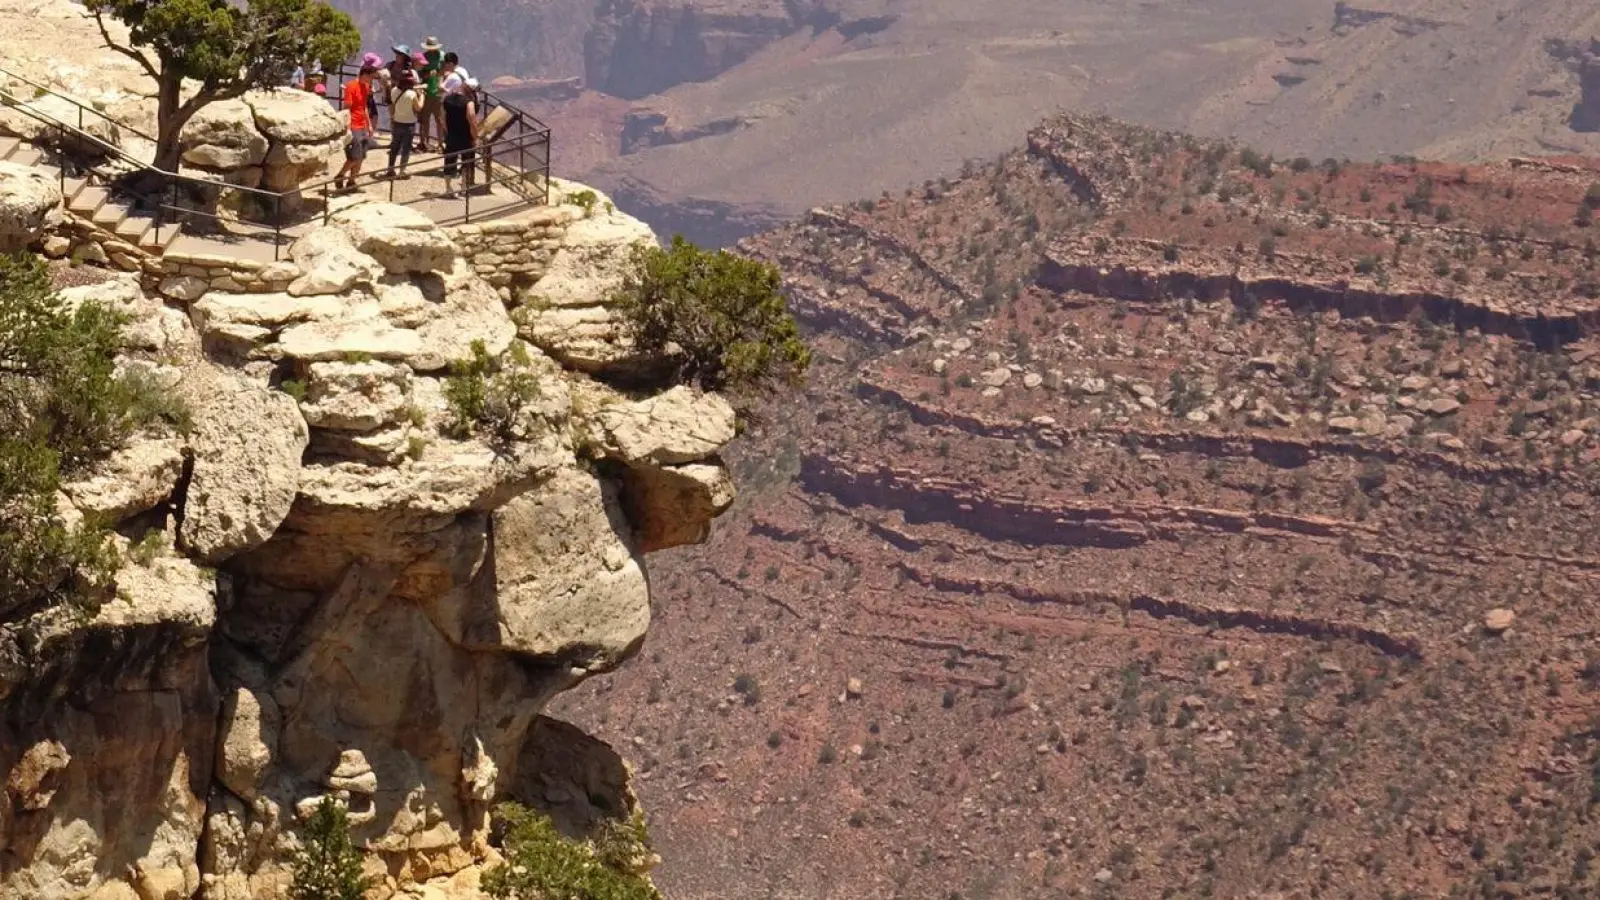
pixel 145 187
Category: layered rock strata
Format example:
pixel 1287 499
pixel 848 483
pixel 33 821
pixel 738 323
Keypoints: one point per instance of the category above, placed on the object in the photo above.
pixel 333 587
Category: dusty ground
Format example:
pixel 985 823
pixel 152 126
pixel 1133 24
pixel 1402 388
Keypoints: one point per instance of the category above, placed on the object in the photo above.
pixel 1110 554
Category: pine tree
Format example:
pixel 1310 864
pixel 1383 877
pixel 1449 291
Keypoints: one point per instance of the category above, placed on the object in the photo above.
pixel 328 866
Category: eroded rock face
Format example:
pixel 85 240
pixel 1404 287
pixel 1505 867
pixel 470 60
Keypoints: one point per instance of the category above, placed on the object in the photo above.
pixel 337 590
pixel 28 200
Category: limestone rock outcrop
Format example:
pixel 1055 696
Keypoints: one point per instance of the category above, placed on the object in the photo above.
pixel 276 139
pixel 567 312
pixel 28 202
pixel 333 585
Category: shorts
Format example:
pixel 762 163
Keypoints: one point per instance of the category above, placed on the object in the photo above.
pixel 360 143
pixel 432 109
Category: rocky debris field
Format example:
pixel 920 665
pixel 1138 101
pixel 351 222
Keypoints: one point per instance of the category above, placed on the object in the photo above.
pixel 1162 520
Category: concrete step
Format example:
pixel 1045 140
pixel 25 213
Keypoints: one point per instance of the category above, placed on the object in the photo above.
pixel 26 155
pixel 88 200
pixel 170 232
pixel 109 215
pixel 71 188
pixel 7 145
pixel 133 228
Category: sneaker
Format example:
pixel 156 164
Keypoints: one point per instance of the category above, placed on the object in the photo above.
pixel 338 185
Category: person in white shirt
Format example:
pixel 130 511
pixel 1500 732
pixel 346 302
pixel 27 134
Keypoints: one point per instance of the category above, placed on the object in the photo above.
pixel 455 75
pixel 405 103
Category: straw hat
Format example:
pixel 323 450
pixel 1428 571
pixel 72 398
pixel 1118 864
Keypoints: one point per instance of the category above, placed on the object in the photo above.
pixel 431 43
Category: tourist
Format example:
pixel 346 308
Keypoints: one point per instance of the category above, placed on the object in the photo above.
pixel 400 65
pixel 356 96
pixel 460 135
pixel 432 119
pixel 455 75
pixel 404 106
pixel 374 62
pixel 297 79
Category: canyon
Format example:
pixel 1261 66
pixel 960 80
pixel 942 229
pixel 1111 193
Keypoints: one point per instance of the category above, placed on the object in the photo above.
pixel 721 118
pixel 1162 519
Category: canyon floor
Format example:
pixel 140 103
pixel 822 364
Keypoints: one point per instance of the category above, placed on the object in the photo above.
pixel 1161 520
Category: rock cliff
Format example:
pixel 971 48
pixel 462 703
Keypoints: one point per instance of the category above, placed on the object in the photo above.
pixel 332 585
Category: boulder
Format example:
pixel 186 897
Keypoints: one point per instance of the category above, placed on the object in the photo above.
pixel 672 506
pixel 244 478
pixel 270 311
pixel 679 426
pixel 567 579
pixel 248 736
pixel 132 480
pixel 568 310
pixel 329 263
pixel 149 324
pixel 222 136
pixel 356 396
pixel 30 201
pixel 294 117
pixel 1498 621
pixel 183 288
pixel 331 340
pixel 401 239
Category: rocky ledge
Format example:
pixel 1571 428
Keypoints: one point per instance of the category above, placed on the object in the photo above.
pixel 331 585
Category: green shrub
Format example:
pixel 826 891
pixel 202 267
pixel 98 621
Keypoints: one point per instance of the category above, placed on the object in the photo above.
pixel 63 405
pixel 327 866
pixel 543 864
pixel 723 312
pixel 584 199
pixel 489 394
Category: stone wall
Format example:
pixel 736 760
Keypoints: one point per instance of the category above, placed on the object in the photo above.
pixel 512 254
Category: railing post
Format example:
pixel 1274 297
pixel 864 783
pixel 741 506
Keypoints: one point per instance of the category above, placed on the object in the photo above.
pixel 277 225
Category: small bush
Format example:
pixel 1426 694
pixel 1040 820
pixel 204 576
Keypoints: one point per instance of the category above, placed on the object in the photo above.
pixel 723 312
pixel 327 866
pixel 63 406
pixel 490 394
pixel 543 864
pixel 585 200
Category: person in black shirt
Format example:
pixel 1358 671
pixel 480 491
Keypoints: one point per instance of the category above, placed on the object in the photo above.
pixel 461 135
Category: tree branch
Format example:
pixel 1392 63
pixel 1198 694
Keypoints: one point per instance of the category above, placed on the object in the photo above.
pixel 136 56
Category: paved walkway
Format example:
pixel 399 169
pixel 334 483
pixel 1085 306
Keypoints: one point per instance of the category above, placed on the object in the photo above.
pixel 424 191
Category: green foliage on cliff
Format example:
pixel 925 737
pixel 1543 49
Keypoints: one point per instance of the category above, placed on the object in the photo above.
pixel 63 406
pixel 328 866
pixel 490 394
pixel 724 313
pixel 543 864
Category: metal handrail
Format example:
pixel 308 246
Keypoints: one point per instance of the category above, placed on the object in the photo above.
pixel 485 156
pixel 82 107
pixel 172 180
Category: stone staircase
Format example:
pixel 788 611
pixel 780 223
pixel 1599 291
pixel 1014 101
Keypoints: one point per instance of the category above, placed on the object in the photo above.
pixel 93 202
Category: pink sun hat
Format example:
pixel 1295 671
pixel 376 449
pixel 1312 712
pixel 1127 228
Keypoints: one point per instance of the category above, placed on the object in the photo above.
pixel 372 60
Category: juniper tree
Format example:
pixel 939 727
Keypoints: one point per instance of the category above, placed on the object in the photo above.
pixel 723 313
pixel 223 49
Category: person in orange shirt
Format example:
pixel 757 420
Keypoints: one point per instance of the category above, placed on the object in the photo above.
pixel 356 96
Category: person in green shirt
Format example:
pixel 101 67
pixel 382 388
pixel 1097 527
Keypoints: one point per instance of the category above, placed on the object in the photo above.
pixel 431 119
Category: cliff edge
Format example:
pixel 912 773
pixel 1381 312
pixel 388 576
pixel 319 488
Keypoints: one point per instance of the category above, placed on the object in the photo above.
pixel 338 583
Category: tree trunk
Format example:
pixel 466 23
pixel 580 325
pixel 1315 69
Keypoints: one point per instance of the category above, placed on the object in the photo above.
pixel 170 119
